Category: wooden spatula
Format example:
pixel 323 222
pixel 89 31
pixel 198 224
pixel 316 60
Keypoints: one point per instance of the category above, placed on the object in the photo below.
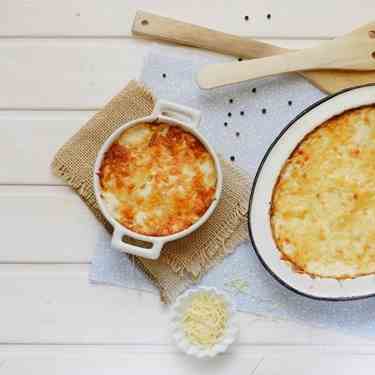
pixel 355 51
pixel 166 29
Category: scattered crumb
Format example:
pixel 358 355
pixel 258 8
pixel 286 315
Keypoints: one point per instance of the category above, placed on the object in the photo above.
pixel 238 286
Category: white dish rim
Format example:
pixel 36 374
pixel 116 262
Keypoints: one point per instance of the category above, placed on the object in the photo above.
pixel 259 223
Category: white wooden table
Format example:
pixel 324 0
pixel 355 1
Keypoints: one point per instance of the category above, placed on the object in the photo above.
pixel 60 61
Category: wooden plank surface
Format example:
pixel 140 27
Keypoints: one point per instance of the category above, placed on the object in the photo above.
pixel 74 73
pixel 48 303
pixel 66 73
pixel 45 224
pixel 30 139
pixel 95 360
pixel 113 360
pixel 60 62
pixel 96 17
pixel 323 364
pixel 56 304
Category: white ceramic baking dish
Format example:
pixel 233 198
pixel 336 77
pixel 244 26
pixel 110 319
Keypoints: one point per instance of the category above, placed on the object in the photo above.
pixel 261 196
pixel 171 113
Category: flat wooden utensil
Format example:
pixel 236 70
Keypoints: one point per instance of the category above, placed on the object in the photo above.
pixel 162 28
pixel 355 51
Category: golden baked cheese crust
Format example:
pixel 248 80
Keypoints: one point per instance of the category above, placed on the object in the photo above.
pixel 157 179
pixel 323 205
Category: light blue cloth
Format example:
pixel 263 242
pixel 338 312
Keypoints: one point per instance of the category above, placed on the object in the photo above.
pixel 241 273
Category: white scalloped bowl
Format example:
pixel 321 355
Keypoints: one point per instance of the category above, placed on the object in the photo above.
pixel 230 334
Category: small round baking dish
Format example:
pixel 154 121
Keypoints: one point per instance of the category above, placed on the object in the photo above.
pixel 164 112
pixel 261 197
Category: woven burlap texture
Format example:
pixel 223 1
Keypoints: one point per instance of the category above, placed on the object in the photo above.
pixel 184 261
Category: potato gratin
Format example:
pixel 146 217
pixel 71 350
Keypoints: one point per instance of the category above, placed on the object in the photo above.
pixel 323 205
pixel 157 179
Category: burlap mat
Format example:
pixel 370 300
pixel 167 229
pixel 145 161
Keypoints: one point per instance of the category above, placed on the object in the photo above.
pixel 184 261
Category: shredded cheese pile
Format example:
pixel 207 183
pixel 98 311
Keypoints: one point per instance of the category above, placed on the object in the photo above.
pixel 204 321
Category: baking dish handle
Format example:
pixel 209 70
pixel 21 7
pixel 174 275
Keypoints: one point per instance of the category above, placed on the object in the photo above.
pixel 187 115
pixel 150 253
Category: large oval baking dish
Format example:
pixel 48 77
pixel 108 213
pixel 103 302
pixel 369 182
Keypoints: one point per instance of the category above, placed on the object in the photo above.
pixel 261 196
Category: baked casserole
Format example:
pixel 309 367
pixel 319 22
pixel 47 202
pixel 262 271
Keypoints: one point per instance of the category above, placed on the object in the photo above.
pixel 323 204
pixel 157 179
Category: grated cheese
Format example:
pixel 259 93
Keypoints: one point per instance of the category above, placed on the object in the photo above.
pixel 205 320
pixel 157 179
pixel 238 286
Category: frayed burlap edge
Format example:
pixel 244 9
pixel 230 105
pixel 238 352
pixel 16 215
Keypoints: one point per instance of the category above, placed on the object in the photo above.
pixel 180 284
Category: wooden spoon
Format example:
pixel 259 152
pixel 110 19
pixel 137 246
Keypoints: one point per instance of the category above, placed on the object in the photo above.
pixel 355 51
pixel 162 28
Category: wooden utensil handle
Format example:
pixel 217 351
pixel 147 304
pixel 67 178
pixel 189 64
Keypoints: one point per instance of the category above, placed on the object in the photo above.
pixel 328 55
pixel 170 30
pixel 222 74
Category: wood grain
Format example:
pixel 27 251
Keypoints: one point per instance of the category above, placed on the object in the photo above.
pixel 45 224
pixel 97 18
pixel 48 303
pixel 329 55
pixel 74 73
pixel 167 29
pixel 67 73
pixel 30 140
pixel 118 359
